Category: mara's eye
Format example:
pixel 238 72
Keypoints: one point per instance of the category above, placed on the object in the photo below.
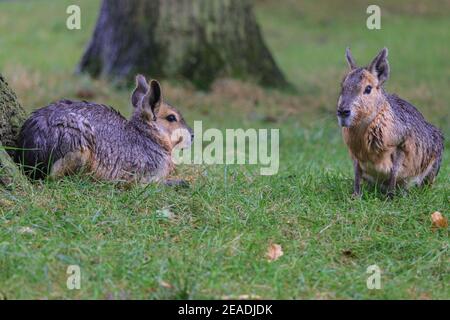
pixel 171 118
pixel 368 89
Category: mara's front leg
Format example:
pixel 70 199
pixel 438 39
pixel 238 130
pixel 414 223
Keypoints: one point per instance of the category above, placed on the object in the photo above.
pixel 357 182
pixel 176 183
pixel 397 160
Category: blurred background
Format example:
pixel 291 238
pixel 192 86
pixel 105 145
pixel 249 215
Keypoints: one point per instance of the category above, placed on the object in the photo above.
pixel 307 40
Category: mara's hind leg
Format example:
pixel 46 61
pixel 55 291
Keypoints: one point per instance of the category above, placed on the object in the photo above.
pixel 71 163
pixel 433 172
pixel 55 142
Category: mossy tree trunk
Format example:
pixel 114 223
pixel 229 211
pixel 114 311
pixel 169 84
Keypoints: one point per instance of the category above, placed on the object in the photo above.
pixel 12 116
pixel 198 40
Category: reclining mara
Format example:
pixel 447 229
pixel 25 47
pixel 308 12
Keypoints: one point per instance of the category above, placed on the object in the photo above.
pixel 67 137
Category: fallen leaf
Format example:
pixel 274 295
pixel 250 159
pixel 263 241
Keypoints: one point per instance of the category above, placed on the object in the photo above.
pixel 274 252
pixel 270 119
pixel 242 297
pixel 165 284
pixel 348 253
pixel 165 213
pixel 85 93
pixel 439 221
pixel 6 203
pixel 249 297
pixel 26 230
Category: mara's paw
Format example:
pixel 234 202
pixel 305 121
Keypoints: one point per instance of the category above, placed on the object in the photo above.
pixel 390 194
pixel 356 195
pixel 177 183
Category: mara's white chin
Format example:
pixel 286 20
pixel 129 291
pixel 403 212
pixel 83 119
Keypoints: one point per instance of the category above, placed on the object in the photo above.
pixel 344 122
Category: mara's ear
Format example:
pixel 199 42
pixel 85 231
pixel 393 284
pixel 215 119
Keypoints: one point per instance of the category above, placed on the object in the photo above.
pixel 351 62
pixel 379 67
pixel 153 99
pixel 140 91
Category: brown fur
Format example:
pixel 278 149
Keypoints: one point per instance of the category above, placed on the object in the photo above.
pixel 71 136
pixel 388 139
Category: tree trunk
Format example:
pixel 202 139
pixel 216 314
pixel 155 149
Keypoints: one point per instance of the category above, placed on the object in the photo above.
pixel 12 114
pixel 11 118
pixel 198 40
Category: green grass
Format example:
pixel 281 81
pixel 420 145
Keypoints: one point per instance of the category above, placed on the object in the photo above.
pixel 214 245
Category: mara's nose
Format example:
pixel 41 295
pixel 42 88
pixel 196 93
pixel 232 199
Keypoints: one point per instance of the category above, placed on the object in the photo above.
pixel 343 113
pixel 192 136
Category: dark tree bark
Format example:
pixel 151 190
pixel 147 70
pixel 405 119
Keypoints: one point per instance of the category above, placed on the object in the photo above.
pixel 198 40
pixel 12 116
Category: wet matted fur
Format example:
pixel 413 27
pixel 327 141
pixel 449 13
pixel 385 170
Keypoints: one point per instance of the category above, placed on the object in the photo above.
pixel 67 137
pixel 389 140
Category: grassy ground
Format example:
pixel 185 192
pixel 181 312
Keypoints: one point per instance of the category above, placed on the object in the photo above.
pixel 213 243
